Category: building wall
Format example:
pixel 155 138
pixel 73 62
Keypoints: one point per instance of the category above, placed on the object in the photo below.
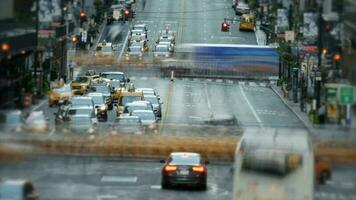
pixel 6 9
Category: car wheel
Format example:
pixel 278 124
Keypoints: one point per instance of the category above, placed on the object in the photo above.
pixel 165 185
pixel 323 177
pixel 203 186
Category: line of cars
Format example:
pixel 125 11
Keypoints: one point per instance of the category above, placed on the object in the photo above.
pixel 95 95
pixel 138 45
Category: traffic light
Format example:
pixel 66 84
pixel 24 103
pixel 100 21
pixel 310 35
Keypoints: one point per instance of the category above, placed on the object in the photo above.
pixel 5 47
pixel 74 39
pixel 325 51
pixel 82 17
pixel 336 57
pixel 127 13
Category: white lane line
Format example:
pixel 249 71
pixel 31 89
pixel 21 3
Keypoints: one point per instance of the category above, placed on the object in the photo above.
pixel 207 97
pixel 119 179
pixel 106 197
pixel 39 105
pixel 251 107
pixel 123 46
pixel 156 187
pixel 241 83
pixel 263 84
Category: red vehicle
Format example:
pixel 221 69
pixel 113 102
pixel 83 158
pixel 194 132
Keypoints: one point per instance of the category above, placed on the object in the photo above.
pixel 225 26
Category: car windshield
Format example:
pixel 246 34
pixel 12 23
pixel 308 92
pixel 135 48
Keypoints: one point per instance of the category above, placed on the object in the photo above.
pixel 152 99
pixel 119 77
pixel 101 89
pixel 81 79
pixel 80 112
pixel 98 99
pixel 82 121
pixel 65 88
pixel 162 49
pixel 82 102
pixel 106 49
pixel 144 115
pixel 129 99
pixel 129 121
pixel 184 160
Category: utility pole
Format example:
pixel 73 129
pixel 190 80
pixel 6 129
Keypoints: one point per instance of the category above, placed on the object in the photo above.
pixel 35 89
pixel 320 47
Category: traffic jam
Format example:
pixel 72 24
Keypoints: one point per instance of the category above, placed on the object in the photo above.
pixel 89 98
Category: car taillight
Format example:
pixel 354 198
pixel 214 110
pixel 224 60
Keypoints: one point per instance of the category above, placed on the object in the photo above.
pixel 170 168
pixel 199 169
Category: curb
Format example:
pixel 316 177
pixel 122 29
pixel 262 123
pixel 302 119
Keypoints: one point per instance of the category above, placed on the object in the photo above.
pixel 306 125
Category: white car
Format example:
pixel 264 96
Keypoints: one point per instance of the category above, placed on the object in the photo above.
pixel 162 50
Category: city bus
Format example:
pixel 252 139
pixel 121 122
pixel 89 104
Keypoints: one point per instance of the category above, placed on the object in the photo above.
pixel 273 164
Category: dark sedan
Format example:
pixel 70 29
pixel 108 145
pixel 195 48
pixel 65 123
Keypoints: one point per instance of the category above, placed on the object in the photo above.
pixel 183 168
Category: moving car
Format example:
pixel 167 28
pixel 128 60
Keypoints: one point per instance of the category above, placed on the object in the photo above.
pixel 100 105
pixel 154 100
pixel 241 8
pixel 161 51
pixel 141 27
pixel 148 91
pixel 148 119
pixel 17 190
pixel 247 22
pixel 184 168
pixel 105 89
pixel 59 95
pixel 81 101
pixel 134 53
pixel 112 75
pixel 104 49
pixel 128 124
pixel 80 85
pixel 82 124
pixel 127 96
pixel 168 34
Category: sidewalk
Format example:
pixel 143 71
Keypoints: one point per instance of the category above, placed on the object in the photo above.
pixel 327 132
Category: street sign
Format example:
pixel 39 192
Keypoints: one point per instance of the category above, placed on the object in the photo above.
pixel 346 95
pixel 290 36
pixel 84 36
pixel 331 95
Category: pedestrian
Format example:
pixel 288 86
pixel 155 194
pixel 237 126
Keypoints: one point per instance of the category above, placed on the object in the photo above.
pixel 321 113
pixel 71 69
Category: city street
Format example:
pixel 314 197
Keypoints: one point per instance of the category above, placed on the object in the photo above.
pixel 100 178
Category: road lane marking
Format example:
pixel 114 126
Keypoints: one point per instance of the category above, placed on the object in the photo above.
pixel 123 46
pixel 207 98
pixel 156 187
pixel 119 179
pixel 167 107
pixel 251 107
pixel 181 17
pixel 106 197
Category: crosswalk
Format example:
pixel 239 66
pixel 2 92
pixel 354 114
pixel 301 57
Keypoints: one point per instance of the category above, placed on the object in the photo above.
pixel 262 83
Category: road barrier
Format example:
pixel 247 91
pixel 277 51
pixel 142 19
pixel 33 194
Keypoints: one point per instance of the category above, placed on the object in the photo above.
pixel 148 146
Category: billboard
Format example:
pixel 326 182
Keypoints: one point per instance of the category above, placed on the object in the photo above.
pixel 49 10
pixel 282 20
pixel 310 26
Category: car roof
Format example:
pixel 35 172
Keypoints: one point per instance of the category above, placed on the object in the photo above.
pixel 81 98
pixel 184 153
pixel 151 95
pixel 142 101
pixel 81 116
pixel 128 117
pixel 142 111
pixel 94 94
pixel 111 72
pixel 139 25
pixel 81 107
pixel 135 103
pixel 162 45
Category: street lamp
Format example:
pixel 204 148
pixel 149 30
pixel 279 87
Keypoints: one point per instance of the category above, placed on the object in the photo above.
pixel 5 47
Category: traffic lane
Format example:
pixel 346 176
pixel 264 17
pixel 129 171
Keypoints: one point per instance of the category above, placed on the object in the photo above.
pixel 204 25
pixel 268 108
pixel 95 178
pixel 342 185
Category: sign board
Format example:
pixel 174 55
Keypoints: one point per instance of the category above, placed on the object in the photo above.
pixel 346 95
pixel 331 95
pixel 290 36
pixel 84 36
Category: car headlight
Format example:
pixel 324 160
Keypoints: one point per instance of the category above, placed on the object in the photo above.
pixel 152 126
pixel 103 107
pixel 90 130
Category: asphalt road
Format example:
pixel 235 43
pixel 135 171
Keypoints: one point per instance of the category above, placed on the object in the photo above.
pixel 91 178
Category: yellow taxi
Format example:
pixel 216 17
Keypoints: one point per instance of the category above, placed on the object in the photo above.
pixel 59 95
pixel 127 96
pixel 80 85
pixel 247 22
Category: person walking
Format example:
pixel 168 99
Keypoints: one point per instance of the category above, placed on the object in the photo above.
pixel 71 69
